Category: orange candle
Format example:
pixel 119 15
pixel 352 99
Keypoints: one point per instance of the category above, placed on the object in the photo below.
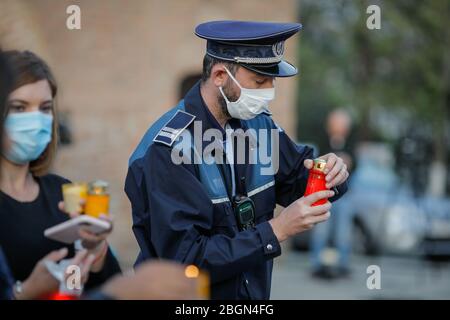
pixel 97 201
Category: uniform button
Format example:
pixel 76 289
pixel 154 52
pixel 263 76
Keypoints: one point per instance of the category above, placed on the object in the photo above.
pixel 269 247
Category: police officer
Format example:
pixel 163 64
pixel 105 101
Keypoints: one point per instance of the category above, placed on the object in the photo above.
pixel 219 214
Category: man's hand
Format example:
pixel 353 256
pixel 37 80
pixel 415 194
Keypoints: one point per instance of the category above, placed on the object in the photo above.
pixel 156 280
pixel 336 170
pixel 301 216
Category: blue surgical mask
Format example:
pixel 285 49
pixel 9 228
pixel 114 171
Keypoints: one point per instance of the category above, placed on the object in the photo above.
pixel 29 134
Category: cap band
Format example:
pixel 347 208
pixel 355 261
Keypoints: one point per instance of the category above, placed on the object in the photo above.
pixel 246 53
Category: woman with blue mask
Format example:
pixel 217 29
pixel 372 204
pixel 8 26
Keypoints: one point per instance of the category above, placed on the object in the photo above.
pixel 40 282
pixel 29 196
pixel 150 281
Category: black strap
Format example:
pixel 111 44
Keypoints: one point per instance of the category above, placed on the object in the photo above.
pixel 224 169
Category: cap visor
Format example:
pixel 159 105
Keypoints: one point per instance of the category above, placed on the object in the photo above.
pixel 282 69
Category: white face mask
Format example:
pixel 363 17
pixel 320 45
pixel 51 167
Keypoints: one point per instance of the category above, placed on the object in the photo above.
pixel 250 103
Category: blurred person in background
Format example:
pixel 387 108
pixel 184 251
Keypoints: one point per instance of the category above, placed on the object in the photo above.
pixel 29 196
pixel 339 226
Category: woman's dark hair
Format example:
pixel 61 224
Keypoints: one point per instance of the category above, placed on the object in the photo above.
pixel 27 68
pixel 5 83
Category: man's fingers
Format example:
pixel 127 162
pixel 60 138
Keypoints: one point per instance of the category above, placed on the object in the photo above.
pixel 334 171
pixel 334 165
pixel 339 178
pixel 308 163
pixel 326 157
pixel 309 200
pixel 57 255
pixel 320 209
pixel 331 160
pixel 317 219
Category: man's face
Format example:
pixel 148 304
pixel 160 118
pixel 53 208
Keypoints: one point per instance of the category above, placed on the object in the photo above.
pixel 247 79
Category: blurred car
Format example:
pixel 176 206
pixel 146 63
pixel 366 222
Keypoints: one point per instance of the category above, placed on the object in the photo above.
pixel 387 218
pixel 436 242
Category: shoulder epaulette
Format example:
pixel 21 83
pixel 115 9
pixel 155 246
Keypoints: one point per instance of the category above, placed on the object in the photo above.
pixel 174 127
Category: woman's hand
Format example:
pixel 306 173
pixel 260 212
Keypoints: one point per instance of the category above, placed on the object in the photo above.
pixel 41 282
pixel 95 243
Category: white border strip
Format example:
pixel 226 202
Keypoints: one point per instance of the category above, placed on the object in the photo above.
pixel 262 188
pixel 220 200
pixel 251 193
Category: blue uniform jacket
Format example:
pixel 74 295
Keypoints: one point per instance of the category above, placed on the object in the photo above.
pixel 182 211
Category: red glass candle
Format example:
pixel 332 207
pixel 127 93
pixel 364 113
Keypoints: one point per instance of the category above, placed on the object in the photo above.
pixel 316 180
pixel 60 296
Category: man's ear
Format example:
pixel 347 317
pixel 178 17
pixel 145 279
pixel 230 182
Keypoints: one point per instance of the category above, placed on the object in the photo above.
pixel 219 75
